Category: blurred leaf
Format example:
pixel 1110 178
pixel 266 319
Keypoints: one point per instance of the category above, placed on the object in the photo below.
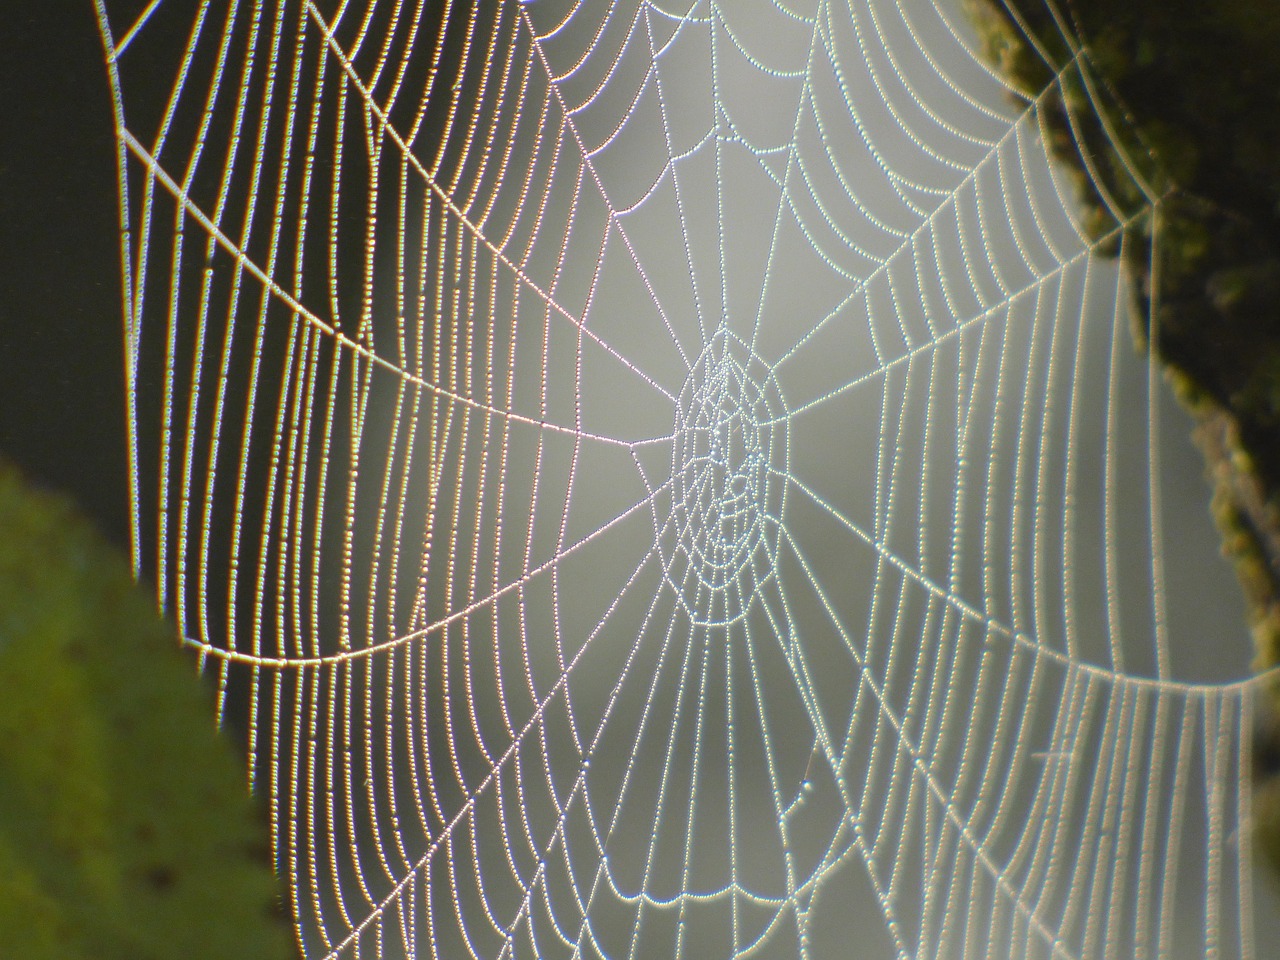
pixel 125 827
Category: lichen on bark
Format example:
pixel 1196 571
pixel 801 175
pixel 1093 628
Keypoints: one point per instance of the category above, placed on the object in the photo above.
pixel 1180 158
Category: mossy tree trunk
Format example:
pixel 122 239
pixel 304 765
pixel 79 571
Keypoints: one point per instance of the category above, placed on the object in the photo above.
pixel 1166 114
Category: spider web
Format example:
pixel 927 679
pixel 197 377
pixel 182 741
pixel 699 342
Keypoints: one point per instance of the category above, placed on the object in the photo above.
pixel 667 480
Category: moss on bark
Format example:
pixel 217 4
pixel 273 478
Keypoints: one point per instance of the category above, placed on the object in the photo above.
pixel 1166 113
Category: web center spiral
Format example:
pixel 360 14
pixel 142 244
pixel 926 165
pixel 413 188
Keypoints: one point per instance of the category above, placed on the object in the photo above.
pixel 726 482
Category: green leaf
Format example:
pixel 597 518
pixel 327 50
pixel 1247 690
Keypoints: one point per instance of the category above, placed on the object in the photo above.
pixel 126 830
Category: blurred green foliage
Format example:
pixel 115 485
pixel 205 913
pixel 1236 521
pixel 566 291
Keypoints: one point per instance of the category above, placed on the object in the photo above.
pixel 125 827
